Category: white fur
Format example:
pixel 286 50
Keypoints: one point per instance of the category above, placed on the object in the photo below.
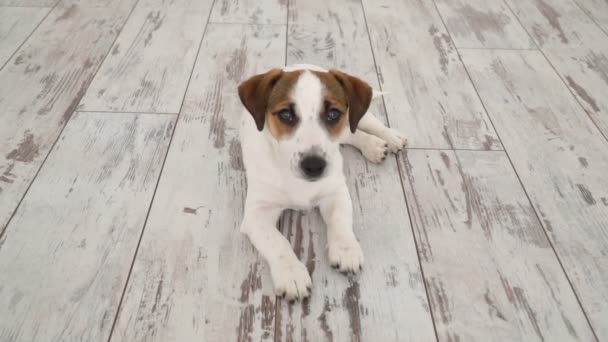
pixel 275 183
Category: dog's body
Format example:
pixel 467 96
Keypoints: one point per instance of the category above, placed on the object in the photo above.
pixel 292 158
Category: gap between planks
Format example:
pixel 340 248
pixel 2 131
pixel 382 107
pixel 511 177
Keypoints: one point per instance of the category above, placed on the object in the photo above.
pixel 544 229
pixel 10 57
pixel 78 98
pixel 521 184
pixel 557 73
pixel 586 12
pixel 401 174
pixel 160 173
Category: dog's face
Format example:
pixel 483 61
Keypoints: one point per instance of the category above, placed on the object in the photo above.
pixel 305 113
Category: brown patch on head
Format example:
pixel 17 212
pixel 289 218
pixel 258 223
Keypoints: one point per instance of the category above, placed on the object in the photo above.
pixel 254 94
pixel 358 95
pixel 277 128
pixel 266 95
pixel 334 98
pixel 279 100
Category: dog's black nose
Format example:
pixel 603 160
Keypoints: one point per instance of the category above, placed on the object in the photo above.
pixel 313 166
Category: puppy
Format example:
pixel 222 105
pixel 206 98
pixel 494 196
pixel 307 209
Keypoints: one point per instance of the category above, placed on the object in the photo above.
pixel 297 118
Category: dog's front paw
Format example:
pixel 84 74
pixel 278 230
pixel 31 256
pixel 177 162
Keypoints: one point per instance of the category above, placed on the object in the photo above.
pixel 346 255
pixel 291 279
pixel 375 149
pixel 395 140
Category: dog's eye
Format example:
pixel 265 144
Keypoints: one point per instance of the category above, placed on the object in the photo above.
pixel 287 116
pixel 333 116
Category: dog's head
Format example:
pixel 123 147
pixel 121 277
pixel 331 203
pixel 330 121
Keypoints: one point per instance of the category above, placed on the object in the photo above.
pixel 305 113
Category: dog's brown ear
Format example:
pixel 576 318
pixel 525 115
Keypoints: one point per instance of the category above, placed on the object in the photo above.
pixel 359 95
pixel 254 94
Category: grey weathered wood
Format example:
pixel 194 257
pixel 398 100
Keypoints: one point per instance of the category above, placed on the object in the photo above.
pixel 42 84
pixel 387 300
pixel 576 48
pixel 489 267
pixel 16 24
pixel 597 10
pixel 151 61
pixel 585 72
pixel 556 23
pixel 390 291
pixel 250 11
pixel 483 24
pixel 65 256
pixel 28 3
pixel 192 4
pixel 431 98
pixel 196 277
pixel 333 35
pixel 561 159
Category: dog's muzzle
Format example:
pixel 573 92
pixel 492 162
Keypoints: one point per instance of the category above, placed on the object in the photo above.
pixel 313 167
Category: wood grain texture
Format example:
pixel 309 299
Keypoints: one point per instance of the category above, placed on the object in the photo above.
pixel 489 267
pixel 333 35
pixel 597 10
pixel 98 3
pixel 561 159
pixel 431 98
pixel 16 24
pixel 250 11
pixel 556 23
pixel 42 84
pixel 577 50
pixel 64 3
pixel 151 61
pixel 390 291
pixel 585 72
pixel 483 24
pixel 191 4
pixel 28 3
pixel 196 277
pixel 65 257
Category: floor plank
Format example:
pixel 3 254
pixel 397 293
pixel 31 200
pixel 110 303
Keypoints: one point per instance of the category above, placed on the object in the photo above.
pixel 483 24
pixel 28 3
pixel 491 272
pixel 250 11
pixel 585 72
pixel 16 24
pixel 390 290
pixel 597 10
pixel 151 61
pixel 196 277
pixel 42 84
pixel 80 241
pixel 560 157
pixel 333 35
pixel 572 44
pixel 556 23
pixel 430 96
pixel 576 48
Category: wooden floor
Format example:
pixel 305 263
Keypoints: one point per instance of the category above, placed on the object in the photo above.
pixel 122 186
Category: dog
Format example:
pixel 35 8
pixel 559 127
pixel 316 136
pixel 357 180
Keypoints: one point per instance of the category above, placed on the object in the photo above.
pixel 296 118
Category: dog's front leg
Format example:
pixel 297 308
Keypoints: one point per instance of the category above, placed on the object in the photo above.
pixel 394 140
pixel 344 250
pixel 289 276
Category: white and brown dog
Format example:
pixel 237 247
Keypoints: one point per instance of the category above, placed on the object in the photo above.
pixel 291 151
